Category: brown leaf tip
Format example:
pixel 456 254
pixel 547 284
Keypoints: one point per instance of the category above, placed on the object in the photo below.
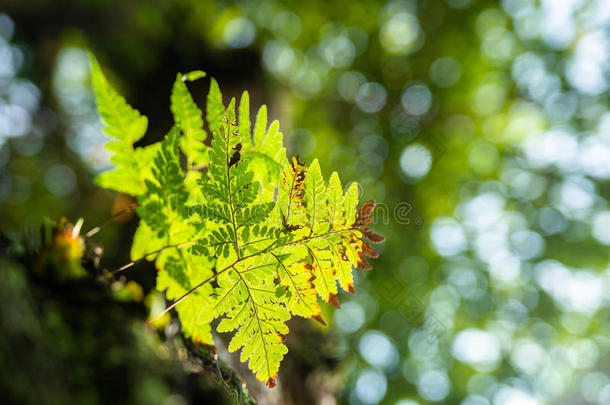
pixel 271 383
pixel 318 318
pixel 350 289
pixel 369 251
pixel 364 265
pixel 332 298
pixel 372 236
pixel 364 213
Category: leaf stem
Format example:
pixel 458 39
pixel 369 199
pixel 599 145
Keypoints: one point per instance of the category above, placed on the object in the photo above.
pixel 134 262
pixel 107 221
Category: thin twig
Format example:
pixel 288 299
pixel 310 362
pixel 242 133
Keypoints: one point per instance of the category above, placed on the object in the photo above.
pixel 130 264
pixel 112 218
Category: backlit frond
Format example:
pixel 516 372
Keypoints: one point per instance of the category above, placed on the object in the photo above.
pixel 237 232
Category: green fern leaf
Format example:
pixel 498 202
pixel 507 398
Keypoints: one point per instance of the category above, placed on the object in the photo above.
pixel 188 118
pixel 264 149
pixel 194 75
pixel 127 126
pixel 244 121
pixel 214 108
pixel 180 271
pixel 260 126
pixel 166 197
pixel 272 235
pixel 316 201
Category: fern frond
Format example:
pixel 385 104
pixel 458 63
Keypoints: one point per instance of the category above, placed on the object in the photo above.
pixel 264 148
pixel 166 195
pixel 315 243
pixel 127 126
pixel 188 118
pixel 296 276
pixel 179 271
pixel 245 297
pixel 260 127
pixel 291 194
pixel 329 226
pixel 244 120
pixel 272 234
pixel 316 200
pixel 214 108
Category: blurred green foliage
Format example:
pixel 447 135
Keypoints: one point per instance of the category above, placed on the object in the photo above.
pixel 482 126
pixel 71 337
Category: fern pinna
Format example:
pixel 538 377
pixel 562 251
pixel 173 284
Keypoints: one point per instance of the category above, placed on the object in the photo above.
pixel 238 232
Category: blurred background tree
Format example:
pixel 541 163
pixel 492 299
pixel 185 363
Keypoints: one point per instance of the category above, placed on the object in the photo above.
pixel 481 127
